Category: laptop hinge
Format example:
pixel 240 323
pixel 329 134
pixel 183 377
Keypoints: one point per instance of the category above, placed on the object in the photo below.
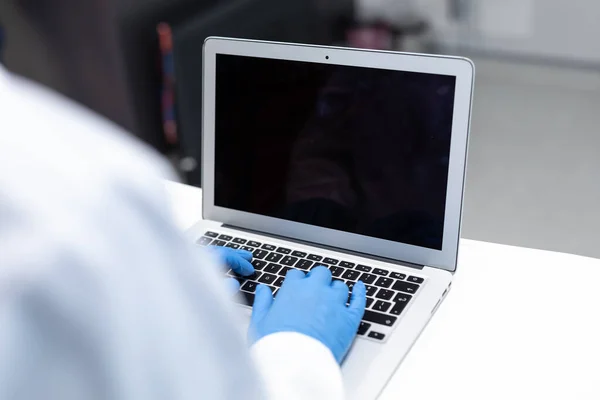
pixel 325 247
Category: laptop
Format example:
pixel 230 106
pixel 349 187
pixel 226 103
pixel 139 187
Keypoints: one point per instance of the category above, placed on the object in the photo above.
pixel 351 159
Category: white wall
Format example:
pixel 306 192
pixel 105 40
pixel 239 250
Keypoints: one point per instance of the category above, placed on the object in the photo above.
pixel 568 29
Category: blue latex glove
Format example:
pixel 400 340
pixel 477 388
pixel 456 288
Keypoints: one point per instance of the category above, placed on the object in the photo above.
pixel 312 305
pixel 237 260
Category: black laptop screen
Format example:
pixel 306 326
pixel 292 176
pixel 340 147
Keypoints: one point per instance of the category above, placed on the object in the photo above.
pixel 354 149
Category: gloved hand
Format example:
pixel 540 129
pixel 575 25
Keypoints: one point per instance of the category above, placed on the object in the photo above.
pixel 312 305
pixel 237 260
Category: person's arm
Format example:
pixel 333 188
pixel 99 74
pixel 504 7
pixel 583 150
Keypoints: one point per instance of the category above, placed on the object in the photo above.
pixel 100 295
pixel 117 306
pixel 296 366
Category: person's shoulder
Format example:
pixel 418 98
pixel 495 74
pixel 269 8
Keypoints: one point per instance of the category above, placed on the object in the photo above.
pixel 47 121
pixel 59 139
pixel 61 162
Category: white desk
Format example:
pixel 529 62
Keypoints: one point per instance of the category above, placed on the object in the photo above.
pixel 518 324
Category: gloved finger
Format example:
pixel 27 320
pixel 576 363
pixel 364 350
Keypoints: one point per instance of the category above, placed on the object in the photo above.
pixel 320 274
pixel 245 254
pixel 293 275
pixel 358 301
pixel 231 286
pixel 341 290
pixel 238 263
pixel 263 298
pixel 225 252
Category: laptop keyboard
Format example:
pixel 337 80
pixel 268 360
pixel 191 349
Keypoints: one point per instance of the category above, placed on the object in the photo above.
pixel 388 292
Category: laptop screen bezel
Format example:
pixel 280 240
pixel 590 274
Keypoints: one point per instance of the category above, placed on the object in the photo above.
pixel 461 68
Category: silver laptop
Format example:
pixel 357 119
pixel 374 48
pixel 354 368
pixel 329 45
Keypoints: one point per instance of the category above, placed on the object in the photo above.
pixel 352 159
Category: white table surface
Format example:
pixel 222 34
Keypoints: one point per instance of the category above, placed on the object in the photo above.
pixel 517 324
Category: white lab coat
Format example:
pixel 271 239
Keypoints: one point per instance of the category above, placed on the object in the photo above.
pixel 100 295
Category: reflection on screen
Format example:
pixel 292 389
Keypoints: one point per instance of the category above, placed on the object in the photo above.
pixel 353 149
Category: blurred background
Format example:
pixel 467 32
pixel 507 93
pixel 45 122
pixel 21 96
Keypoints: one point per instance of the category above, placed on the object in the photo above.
pixel 534 156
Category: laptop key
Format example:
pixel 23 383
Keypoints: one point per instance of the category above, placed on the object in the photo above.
pixel 385 294
pixel 299 254
pixel 402 298
pixel 336 271
pixel 249 286
pixel 283 271
pixel 225 237
pixel 219 243
pixel 274 257
pixel 363 268
pixel 211 234
pixel 369 302
pixel 239 241
pixel 363 328
pixel 367 278
pixel 331 261
pixel 398 308
pixel 246 298
pixel 232 245
pixel 269 247
pixel 314 257
pixel 405 287
pixel 415 279
pixel 258 264
pixel 397 275
pixel 346 264
pixel 240 279
pixel 379 318
pixel 380 271
pixel 279 281
pixel 260 254
pixel 283 250
pixel 272 268
pixel 376 335
pixel 267 279
pixel 384 282
pixel 252 277
pixel 289 261
pixel 351 274
pixel 204 241
pixel 252 243
pixel 304 264
pixel 350 287
pixel 371 290
pixel 381 306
